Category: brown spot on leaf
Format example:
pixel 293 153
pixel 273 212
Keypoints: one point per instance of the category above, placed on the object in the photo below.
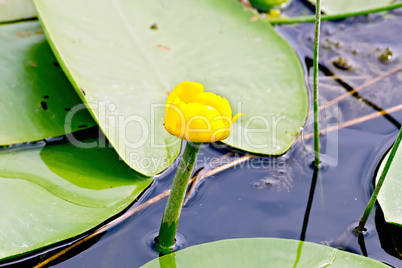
pixel 39 32
pixel 22 34
pixel 44 105
pixel 254 18
pixel 161 47
pixel 154 26
pixel 246 3
pixel 33 64
pixel 83 92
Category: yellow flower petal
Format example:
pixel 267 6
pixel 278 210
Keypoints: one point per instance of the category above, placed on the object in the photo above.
pixel 198 116
pixel 215 101
pixel 186 91
pixel 237 116
pixel 199 122
pixel 174 117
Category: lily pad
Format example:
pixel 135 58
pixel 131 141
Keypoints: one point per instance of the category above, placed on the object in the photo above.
pixel 11 10
pixel 262 252
pixel 35 94
pixel 331 7
pixel 55 192
pixel 127 56
pixel 390 196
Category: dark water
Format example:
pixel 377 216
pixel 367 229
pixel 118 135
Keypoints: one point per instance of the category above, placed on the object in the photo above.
pixel 268 197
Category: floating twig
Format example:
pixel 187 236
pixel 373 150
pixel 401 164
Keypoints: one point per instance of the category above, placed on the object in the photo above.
pixel 366 85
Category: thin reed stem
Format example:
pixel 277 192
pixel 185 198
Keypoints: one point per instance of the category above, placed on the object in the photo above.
pixel 380 182
pixel 315 83
pixel 303 19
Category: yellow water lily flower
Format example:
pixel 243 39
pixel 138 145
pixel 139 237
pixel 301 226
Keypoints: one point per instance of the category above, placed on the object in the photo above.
pixel 198 116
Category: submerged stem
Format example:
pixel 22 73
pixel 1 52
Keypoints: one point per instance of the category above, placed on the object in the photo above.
pixel 302 19
pixel 380 182
pixel 170 220
pixel 315 82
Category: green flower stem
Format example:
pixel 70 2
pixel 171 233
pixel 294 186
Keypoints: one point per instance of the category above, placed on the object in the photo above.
pixel 170 220
pixel 302 19
pixel 315 82
pixel 380 182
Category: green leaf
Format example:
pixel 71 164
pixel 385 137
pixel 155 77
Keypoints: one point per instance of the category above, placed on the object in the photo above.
pixel 11 10
pixel 34 92
pixel 331 7
pixel 390 196
pixel 127 66
pixel 262 252
pixel 55 192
